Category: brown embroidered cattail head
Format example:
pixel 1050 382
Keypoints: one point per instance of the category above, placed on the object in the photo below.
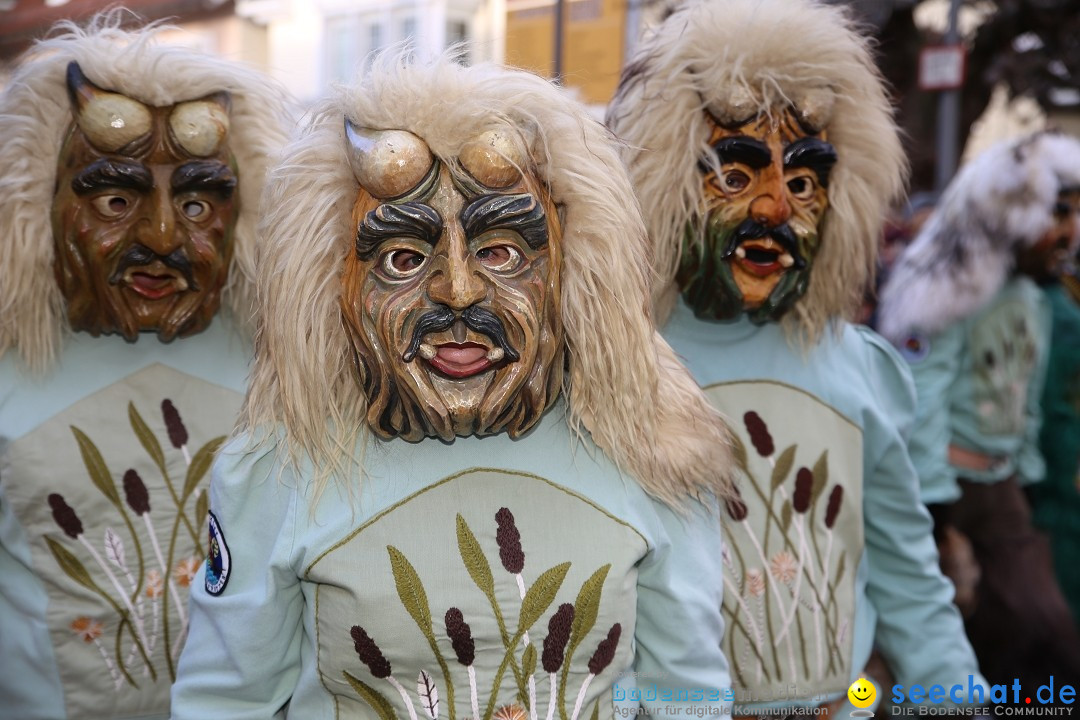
pixel 177 432
pixel 558 635
pixel 138 499
pixel 509 540
pixel 833 508
pixel 759 434
pixel 735 506
pixel 460 636
pixel 64 516
pixel 369 653
pixel 605 651
pixel 804 484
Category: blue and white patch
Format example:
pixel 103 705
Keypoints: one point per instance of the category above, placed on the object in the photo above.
pixel 915 348
pixel 218 559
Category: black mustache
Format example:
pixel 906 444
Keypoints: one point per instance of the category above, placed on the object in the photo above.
pixel 750 230
pixel 139 255
pixel 475 318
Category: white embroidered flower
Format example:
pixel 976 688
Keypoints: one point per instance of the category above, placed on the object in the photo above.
pixel 755 582
pixel 155 585
pixel 783 566
pixel 185 570
pixel 87 628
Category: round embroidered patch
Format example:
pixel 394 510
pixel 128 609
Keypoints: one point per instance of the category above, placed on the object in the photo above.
pixel 218 560
pixel 915 348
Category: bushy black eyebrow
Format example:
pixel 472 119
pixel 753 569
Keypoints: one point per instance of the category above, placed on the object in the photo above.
pixel 519 212
pixel 409 219
pixel 106 173
pixel 745 150
pixel 814 154
pixel 203 176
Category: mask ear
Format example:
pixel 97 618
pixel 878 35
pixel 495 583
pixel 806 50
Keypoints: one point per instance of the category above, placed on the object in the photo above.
pixel 201 126
pixel 110 121
pixel 387 163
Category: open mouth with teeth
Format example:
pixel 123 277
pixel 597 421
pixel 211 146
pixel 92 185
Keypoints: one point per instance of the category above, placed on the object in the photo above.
pixel 460 360
pixel 762 257
pixel 154 284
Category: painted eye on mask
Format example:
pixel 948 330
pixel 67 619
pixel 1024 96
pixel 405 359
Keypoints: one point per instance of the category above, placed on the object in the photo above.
pixel 802 187
pixel 196 210
pixel 110 206
pixel 401 263
pixel 734 181
pixel 500 258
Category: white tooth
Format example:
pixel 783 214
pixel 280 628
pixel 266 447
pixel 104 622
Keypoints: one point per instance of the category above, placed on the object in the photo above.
pixel 495 355
pixel 786 260
pixel 427 351
pixel 740 252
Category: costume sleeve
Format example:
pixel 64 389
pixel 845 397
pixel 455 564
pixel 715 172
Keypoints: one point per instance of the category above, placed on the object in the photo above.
pixel 679 626
pixel 919 628
pixel 242 657
pixel 934 363
pixel 1030 464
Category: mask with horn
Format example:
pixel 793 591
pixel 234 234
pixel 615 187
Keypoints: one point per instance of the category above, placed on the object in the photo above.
pixel 451 291
pixel 144 212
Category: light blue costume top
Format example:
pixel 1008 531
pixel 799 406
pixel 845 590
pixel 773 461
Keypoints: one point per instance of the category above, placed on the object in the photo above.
pixel 103 468
pixel 484 578
pixel 979 386
pixel 830 548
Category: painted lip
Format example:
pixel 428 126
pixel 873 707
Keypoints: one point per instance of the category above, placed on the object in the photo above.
pixel 154 283
pixel 762 257
pixel 460 360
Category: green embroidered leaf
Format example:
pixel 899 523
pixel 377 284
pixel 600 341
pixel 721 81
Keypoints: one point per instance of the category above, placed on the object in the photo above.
pixel 95 465
pixel 821 477
pixel 202 507
pixel 596 710
pixel 146 437
pixel 783 467
pixel 540 596
pixel 785 516
pixel 199 465
pixel 528 661
pixel 372 697
pixel 839 571
pixel 475 561
pixel 410 589
pixel 586 607
pixel 71 565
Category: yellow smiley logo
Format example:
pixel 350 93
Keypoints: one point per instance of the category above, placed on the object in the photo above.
pixel 862 693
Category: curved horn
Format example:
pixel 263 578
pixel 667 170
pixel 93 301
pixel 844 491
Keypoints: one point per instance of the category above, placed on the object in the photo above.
pixel 200 126
pixel 492 159
pixel 387 163
pixel 815 108
pixel 108 120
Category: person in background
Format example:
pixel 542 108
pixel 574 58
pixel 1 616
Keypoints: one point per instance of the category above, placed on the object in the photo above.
pixel 964 306
pixel 472 479
pixel 762 148
pixel 130 173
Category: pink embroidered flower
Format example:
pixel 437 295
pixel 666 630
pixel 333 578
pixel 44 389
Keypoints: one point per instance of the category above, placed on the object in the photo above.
pixel 755 582
pixel 185 570
pixel 783 566
pixel 155 585
pixel 87 628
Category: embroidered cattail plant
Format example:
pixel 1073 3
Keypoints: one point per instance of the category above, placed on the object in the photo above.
pixel 461 639
pixel 759 434
pixel 833 508
pixel 601 658
pixel 65 516
pixel 178 434
pixel 736 508
pixel 512 556
pixel 138 499
pixel 551 659
pixel 370 654
pixel 804 482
